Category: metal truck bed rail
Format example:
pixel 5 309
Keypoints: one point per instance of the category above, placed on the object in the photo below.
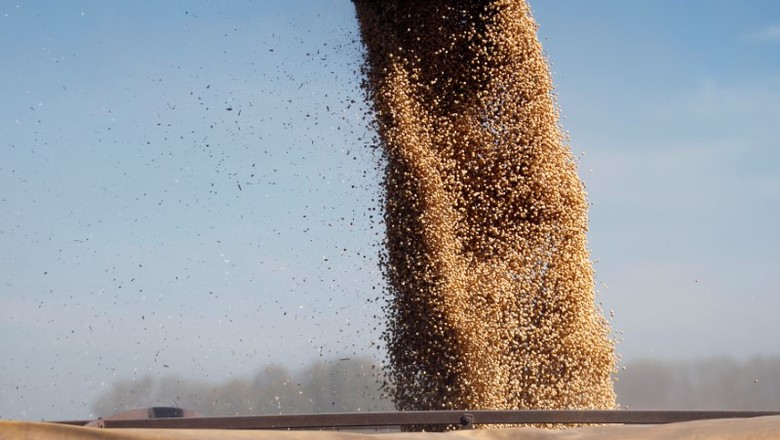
pixel 462 419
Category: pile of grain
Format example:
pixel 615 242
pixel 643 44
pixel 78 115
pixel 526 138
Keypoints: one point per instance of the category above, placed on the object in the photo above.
pixel 491 285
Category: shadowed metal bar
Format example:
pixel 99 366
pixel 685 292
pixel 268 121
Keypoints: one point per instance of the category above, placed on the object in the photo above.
pixel 465 419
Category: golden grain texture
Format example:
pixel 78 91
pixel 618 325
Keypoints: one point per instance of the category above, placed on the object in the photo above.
pixel 491 291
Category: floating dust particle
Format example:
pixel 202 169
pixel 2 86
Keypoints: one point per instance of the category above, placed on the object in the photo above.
pixel 491 292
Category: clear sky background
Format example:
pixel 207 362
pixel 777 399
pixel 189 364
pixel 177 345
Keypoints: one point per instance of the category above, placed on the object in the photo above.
pixel 190 187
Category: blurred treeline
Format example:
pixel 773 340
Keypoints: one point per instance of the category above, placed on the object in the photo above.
pixel 354 385
pixel 707 384
pixel 334 386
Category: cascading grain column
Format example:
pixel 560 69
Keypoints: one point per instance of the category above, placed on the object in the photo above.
pixel 491 286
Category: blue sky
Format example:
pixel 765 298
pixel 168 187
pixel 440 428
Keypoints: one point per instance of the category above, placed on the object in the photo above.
pixel 674 106
pixel 188 187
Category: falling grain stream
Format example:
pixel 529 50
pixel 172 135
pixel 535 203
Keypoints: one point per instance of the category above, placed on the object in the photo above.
pixel 491 292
